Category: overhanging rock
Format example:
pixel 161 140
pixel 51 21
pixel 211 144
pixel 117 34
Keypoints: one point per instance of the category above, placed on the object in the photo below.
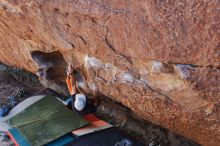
pixel 159 58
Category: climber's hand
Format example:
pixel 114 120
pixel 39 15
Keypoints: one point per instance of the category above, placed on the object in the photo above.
pixel 69 69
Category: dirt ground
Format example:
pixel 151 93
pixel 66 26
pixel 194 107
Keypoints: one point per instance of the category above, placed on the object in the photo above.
pixel 13 80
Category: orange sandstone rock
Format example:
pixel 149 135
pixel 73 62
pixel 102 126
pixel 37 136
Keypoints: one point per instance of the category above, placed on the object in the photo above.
pixel 159 58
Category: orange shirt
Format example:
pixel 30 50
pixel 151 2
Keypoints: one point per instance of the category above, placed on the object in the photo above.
pixel 71 84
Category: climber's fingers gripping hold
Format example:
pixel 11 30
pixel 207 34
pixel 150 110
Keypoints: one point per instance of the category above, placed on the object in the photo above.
pixel 69 69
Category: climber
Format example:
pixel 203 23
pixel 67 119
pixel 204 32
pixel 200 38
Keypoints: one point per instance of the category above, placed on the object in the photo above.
pixel 78 100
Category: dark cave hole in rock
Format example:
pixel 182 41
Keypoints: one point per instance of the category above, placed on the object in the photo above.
pixel 51 66
pixel 48 59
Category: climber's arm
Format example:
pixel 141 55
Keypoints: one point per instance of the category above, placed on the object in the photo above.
pixel 71 84
pixel 71 80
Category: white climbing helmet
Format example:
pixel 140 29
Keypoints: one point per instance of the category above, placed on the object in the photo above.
pixel 80 102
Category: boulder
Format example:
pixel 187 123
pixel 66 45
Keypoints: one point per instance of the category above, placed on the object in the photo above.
pixel 159 58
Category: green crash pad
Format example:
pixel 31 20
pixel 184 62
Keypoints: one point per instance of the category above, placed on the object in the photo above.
pixel 46 120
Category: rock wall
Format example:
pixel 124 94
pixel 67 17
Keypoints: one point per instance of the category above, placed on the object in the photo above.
pixel 159 58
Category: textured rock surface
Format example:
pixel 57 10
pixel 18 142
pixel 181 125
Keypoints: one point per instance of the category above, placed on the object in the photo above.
pixel 159 58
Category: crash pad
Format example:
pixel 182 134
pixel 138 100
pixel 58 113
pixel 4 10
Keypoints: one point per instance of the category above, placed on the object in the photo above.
pixel 64 140
pixel 95 125
pixel 107 137
pixel 46 120
pixel 19 140
pixel 17 109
